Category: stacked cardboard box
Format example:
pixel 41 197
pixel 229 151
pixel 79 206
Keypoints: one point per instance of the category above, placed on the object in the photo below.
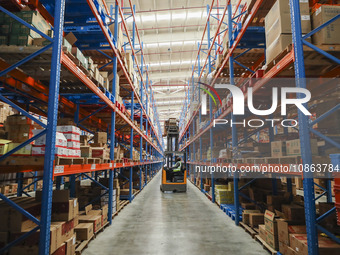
pixel 285 228
pixel 38 148
pixel 4 146
pixel 224 194
pixel 80 56
pixel 256 219
pixel 278 27
pixel 72 135
pixel 14 224
pixel 23 131
pixel 331 33
pixel 298 243
pixel 104 200
pixel 15 33
pixel 270 223
pixel 97 217
pixel 246 215
pixel 119 43
pixel 128 62
pixel 5 111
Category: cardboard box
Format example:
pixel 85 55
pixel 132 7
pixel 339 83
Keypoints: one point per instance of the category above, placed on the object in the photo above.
pixel 293 147
pixel 5 189
pixel 33 239
pixel 86 151
pixel 98 152
pixel 71 245
pixel 293 212
pixel 277 46
pixel 84 231
pixel 65 211
pixel 25 151
pixel 331 33
pixel 96 220
pixel 88 209
pixel 245 215
pixel 256 219
pixel 100 137
pixel 278 20
pixel 298 242
pixel 35 19
pixel 283 248
pixel 272 240
pixel 4 146
pixel 284 229
pixel 61 250
pixel 270 222
pixel 263 232
pixel 66 229
pixel 278 149
pixel 71 38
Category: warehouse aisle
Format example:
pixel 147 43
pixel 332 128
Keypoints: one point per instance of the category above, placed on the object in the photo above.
pixel 182 223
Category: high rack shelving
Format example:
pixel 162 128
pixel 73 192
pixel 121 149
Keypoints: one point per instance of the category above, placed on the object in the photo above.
pixel 62 87
pixel 250 59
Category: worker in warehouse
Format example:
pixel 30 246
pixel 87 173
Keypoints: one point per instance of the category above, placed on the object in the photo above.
pixel 177 168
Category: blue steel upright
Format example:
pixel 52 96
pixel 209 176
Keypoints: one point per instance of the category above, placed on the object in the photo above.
pixel 52 115
pixel 132 114
pixel 141 124
pixel 200 114
pixel 210 114
pixel 233 129
pixel 308 183
pixel 113 116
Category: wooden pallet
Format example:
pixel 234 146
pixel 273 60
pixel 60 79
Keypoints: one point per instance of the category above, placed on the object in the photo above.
pixel 92 160
pixel 69 161
pixel 101 229
pixel 253 232
pixel 83 245
pixel 265 245
pixel 122 204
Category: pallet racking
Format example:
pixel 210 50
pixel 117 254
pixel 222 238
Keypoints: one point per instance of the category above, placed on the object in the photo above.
pixel 290 63
pixel 82 98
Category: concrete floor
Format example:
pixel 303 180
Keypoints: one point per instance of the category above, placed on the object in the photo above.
pixel 180 223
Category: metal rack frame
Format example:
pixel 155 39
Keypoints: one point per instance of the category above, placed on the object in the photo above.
pixel 296 57
pixel 147 167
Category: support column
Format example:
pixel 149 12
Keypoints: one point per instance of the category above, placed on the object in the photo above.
pixel 233 129
pixel 52 115
pixel 141 125
pixel 113 119
pixel 308 182
pixel 210 115
pixel 132 115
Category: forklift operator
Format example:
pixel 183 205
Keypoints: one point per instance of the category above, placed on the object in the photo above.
pixel 175 169
pixel 178 166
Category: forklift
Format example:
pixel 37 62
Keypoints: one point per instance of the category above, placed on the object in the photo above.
pixel 173 181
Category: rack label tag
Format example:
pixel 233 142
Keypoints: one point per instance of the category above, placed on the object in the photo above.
pixel 93 166
pixel 59 169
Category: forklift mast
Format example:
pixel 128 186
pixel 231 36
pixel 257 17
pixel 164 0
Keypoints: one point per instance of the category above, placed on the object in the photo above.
pixel 171 131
